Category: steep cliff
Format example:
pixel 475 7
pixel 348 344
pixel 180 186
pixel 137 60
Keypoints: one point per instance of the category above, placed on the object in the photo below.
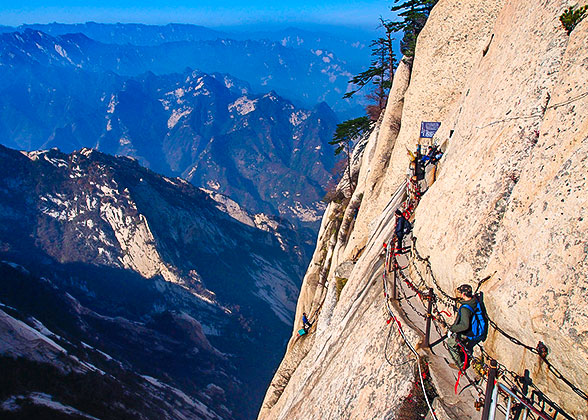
pixel 509 86
pixel 172 282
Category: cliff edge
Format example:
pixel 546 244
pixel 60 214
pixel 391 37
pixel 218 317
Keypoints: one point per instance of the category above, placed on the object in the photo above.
pixel 509 205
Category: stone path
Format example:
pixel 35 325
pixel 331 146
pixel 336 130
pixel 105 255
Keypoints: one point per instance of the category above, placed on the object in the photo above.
pixel 448 405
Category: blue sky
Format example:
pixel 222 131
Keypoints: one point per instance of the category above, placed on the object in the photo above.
pixel 363 13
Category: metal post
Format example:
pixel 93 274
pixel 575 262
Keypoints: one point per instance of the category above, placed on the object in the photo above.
pixel 516 412
pixel 489 389
pixel 395 278
pixel 429 316
pixel 492 414
pixel 508 407
pixel 526 413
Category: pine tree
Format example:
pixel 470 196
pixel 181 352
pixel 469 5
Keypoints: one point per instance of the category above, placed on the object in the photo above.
pixel 345 135
pixel 380 72
pixel 413 15
pixel 383 46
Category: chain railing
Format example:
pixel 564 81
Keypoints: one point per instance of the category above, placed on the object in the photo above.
pixel 435 315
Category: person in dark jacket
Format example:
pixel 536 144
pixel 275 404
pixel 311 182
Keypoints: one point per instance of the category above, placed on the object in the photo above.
pixel 457 340
pixel 402 228
pixel 419 170
pixel 305 324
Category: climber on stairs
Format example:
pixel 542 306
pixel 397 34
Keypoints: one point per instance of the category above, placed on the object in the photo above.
pixel 403 227
pixel 470 327
pixel 305 324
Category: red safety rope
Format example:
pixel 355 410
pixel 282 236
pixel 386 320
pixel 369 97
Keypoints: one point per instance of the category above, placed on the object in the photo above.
pixel 465 364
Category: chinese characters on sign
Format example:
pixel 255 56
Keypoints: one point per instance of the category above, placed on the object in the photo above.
pixel 428 129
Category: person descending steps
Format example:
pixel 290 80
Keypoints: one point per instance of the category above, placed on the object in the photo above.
pixel 305 325
pixel 470 326
pixel 403 227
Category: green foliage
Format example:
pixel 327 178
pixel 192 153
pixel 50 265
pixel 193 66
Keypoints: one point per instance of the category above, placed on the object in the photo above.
pixel 413 15
pixel 349 131
pixel 572 16
pixel 363 78
pixel 380 71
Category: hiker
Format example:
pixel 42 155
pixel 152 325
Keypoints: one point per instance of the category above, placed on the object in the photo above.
pixel 305 324
pixel 470 326
pixel 426 158
pixel 419 165
pixel 419 170
pixel 436 154
pixel 403 227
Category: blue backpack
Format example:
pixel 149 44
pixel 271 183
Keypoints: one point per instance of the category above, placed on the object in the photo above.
pixel 479 327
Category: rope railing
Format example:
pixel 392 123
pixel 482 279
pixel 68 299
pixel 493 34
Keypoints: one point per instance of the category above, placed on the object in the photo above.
pixel 539 350
pixel 435 315
pixel 410 346
pixel 538 400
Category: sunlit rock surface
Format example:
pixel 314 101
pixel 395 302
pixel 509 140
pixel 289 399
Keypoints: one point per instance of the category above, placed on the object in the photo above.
pixel 509 87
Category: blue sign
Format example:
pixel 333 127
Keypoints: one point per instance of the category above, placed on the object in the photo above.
pixel 428 129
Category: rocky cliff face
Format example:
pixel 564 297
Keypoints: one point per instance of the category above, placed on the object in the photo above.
pixel 509 87
pixel 99 254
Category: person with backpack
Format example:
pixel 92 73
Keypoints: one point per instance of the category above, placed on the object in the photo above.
pixel 305 324
pixel 470 326
pixel 403 227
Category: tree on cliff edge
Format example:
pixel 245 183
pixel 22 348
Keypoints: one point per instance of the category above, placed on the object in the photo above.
pixel 380 72
pixel 346 134
pixel 413 15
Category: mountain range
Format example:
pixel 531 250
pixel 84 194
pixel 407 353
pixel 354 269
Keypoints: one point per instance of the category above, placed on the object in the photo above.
pixel 129 294
pixel 292 64
pixel 121 282
pixel 352 49
pixel 209 128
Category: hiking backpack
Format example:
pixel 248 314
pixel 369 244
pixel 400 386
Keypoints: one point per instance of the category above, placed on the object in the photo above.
pixel 479 327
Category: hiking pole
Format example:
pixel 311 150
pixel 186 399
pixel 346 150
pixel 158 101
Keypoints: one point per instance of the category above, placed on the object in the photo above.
pixel 484 280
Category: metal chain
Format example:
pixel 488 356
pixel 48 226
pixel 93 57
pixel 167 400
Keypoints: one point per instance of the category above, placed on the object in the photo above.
pixel 514 340
pixel 551 368
pixel 451 302
pixel 446 297
pixel 422 315
pixel 514 384
pixel 410 284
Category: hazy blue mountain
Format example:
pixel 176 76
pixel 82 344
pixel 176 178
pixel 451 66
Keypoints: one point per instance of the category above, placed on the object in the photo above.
pixel 306 76
pixel 354 50
pixel 130 33
pixel 117 281
pixel 211 129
